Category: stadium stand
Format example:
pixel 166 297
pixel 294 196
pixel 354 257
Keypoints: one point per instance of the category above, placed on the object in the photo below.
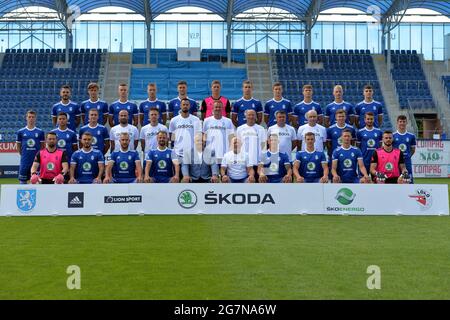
pixel 197 74
pixel 446 83
pixel 352 69
pixel 410 81
pixel 31 79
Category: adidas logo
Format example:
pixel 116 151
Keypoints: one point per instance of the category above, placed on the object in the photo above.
pixel 75 200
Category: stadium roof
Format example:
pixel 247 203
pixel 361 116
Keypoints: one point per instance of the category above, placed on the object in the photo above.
pixel 301 8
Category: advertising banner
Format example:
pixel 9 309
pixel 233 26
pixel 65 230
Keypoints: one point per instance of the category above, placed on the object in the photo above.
pixel 123 199
pixel 431 159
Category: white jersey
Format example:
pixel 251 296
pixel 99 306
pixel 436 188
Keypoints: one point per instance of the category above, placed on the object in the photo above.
pixel 253 139
pixel 114 135
pixel 218 132
pixel 149 133
pixel 185 130
pixel 319 131
pixel 236 164
pixel 286 135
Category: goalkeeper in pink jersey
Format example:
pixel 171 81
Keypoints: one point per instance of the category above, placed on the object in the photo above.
pixel 51 162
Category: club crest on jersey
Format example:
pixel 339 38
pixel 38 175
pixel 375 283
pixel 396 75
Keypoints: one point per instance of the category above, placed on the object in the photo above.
pixel 26 200
pixel 31 143
pixel 339 141
pixel 347 163
pixel 402 147
pixel 94 140
pixel 123 165
pixel 50 166
pixel 62 143
pixel 87 166
pixel 389 166
pixel 162 164
pixel 311 166
pixel 371 143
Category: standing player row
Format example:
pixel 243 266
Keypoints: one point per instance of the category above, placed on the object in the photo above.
pixel 138 116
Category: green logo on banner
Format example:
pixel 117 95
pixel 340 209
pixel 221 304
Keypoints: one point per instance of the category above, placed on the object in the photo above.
pixel 345 196
pixel 187 199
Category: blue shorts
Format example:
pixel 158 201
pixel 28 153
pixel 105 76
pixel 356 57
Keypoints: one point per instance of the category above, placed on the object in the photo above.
pixel 313 180
pixel 124 180
pixel 355 180
pixel 238 180
pixel 25 172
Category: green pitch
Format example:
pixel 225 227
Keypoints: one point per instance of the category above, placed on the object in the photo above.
pixel 225 257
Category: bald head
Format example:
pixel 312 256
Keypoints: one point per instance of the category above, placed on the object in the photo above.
pixel 311 115
pixel 123 117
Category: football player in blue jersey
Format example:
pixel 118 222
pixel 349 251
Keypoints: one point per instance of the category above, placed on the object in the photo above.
pixel 406 142
pixel 174 107
pixel 100 135
pixel 125 165
pixel 243 104
pixel 30 140
pixel 66 139
pixel 368 139
pixel 337 104
pixel 302 108
pixel 87 164
pixel 70 108
pixel 152 102
pixel 276 104
pixel 310 166
pixel 94 102
pixel 123 104
pixel 162 164
pixel 346 160
pixel 369 105
pixel 275 166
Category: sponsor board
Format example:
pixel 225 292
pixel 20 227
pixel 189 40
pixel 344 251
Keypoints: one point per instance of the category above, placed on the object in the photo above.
pixel 122 199
pixel 431 159
pixel 8 147
pixel 9 171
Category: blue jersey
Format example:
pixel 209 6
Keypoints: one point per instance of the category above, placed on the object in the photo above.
pixel 302 108
pixel 362 108
pixel 162 168
pixel 30 141
pixel 65 140
pixel 404 142
pixel 72 109
pixel 272 106
pixel 118 106
pixel 242 105
pixel 124 167
pixel 347 163
pixel 334 134
pixel 274 165
pixel 145 107
pixel 99 135
pixel 101 106
pixel 175 106
pixel 330 111
pixel 311 168
pixel 87 164
pixel 369 140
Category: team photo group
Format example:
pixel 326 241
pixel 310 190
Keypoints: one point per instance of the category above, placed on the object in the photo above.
pixel 219 141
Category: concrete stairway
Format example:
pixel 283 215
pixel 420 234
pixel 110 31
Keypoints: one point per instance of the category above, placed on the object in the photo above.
pixel 259 71
pixel 390 96
pixel 434 70
pixel 117 71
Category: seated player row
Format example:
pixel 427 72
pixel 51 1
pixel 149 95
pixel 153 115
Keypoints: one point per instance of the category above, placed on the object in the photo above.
pixel 139 115
pixel 215 134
